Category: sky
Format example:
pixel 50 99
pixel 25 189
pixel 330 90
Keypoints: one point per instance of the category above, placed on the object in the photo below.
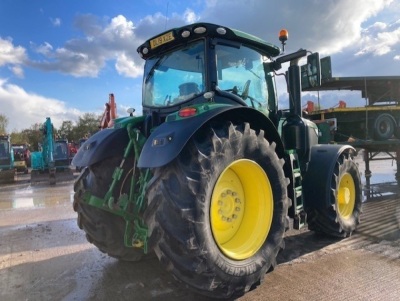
pixel 62 58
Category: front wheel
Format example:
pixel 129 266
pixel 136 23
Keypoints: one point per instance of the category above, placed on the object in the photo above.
pixel 216 214
pixel 339 215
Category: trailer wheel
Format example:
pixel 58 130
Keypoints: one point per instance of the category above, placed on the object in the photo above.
pixel 341 215
pixel 384 127
pixel 103 229
pixel 216 214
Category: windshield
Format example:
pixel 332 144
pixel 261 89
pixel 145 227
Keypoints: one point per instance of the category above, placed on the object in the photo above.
pixel 241 71
pixel 60 150
pixel 4 149
pixel 174 77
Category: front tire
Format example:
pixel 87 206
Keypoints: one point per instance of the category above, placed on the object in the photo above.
pixel 216 214
pixel 340 214
pixel 103 229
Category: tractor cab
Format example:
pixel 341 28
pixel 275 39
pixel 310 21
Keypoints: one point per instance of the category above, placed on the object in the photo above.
pixel 209 64
pixel 206 63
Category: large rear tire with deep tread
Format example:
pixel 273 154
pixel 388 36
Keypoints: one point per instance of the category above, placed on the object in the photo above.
pixel 103 229
pixel 216 214
pixel 341 215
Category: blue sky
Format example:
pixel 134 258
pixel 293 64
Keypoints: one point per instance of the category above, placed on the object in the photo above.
pixel 60 59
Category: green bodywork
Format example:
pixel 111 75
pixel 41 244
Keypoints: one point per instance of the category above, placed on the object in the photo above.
pixel 135 198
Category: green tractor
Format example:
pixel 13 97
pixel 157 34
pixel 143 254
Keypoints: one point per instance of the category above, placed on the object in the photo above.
pixel 212 174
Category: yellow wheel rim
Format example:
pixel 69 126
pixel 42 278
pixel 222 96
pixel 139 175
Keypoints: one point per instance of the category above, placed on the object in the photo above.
pixel 241 209
pixel 346 196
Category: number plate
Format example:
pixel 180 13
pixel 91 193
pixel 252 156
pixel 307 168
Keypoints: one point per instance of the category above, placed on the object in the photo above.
pixel 165 38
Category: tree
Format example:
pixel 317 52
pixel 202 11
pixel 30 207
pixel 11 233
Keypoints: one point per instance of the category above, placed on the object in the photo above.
pixel 20 137
pixel 66 130
pixel 3 124
pixel 87 125
pixel 34 136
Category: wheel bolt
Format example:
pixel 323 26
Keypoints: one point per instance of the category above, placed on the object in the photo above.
pixel 237 208
pixel 237 200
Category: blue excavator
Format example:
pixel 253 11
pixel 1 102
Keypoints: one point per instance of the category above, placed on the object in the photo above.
pixel 51 162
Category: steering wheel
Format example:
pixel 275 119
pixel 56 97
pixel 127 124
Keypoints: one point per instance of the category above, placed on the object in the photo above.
pixel 245 93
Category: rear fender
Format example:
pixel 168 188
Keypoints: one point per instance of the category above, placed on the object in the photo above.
pixel 105 143
pixel 168 140
pixel 317 179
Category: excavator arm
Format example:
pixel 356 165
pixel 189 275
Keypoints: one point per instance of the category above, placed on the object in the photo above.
pixel 110 113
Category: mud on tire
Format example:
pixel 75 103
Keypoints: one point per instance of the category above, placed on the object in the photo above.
pixel 103 229
pixel 186 226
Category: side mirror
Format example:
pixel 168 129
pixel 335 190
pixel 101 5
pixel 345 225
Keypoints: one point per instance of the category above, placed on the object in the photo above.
pixel 130 111
pixel 326 69
pixel 311 72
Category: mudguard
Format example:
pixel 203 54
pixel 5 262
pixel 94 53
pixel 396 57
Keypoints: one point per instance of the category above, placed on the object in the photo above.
pixel 317 179
pixel 168 140
pixel 105 143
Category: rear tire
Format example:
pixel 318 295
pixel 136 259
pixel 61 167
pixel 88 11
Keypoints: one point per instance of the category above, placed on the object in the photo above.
pixel 216 214
pixel 341 215
pixel 103 229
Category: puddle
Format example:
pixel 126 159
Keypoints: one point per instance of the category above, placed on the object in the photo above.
pixel 29 196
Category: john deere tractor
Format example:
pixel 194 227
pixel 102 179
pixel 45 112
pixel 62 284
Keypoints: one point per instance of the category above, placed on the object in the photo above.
pixel 212 174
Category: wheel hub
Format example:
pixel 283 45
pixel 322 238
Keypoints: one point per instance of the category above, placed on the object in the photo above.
pixel 230 206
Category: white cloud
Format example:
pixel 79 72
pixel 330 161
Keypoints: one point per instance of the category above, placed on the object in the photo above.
pixel 17 71
pixel 318 25
pixel 380 39
pixel 9 54
pixel 55 21
pixel 23 109
pixel 12 56
pixel 119 28
pixel 44 48
pixel 190 16
pixel 126 66
pixel 85 57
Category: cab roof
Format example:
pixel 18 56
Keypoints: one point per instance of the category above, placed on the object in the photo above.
pixel 181 35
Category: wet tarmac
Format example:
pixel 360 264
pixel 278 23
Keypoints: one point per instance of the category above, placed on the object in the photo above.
pixel 45 256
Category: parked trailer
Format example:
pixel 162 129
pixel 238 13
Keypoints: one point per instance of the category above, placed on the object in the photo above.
pixel 379 120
